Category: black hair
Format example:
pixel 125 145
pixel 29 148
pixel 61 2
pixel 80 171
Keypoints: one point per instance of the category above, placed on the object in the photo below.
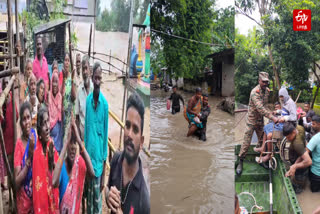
pixel 85 59
pixel 38 86
pixel 29 60
pixel 95 67
pixel 55 62
pixel 23 107
pixel 43 109
pixel 136 102
pixel 276 103
pixel 39 37
pixel 198 90
pixel 307 103
pixel 174 86
pixel 316 118
pixel 310 114
pixel 205 95
pixel 288 128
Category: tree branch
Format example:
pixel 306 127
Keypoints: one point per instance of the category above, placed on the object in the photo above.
pixel 315 73
pixel 247 15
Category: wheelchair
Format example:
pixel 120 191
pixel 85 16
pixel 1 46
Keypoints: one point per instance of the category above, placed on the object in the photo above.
pixel 279 146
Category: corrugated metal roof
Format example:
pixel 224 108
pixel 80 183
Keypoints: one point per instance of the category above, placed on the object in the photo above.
pixel 48 26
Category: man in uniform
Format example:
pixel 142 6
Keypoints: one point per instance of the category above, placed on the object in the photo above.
pixel 257 110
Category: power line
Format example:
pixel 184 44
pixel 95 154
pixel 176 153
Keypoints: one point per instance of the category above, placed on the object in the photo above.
pixel 191 40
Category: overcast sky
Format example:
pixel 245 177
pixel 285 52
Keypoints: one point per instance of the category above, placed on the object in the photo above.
pixel 219 3
pixel 244 24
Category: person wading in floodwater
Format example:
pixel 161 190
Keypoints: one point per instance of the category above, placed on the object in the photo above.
pixel 175 97
pixel 205 111
pixel 192 112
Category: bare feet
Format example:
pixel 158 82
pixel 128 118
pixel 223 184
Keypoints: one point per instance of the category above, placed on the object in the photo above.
pixel 256 149
pixel 265 158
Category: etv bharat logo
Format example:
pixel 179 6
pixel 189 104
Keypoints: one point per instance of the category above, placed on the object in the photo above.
pixel 301 20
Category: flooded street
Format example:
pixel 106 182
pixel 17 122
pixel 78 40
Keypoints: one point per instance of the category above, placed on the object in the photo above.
pixel 188 175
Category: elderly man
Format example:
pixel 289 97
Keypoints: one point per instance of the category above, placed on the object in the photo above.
pixel 127 191
pixel 298 156
pixel 77 77
pixel 257 110
pixel 96 140
pixel 40 65
pixel 84 89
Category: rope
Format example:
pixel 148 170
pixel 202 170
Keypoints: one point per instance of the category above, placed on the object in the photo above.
pixel 255 202
pixel 240 120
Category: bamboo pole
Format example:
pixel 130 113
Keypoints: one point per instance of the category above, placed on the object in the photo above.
pixel 113 115
pixel 10 45
pixel 128 63
pixel 9 72
pixel 1 204
pixel 3 96
pixel 18 53
pixel 110 62
pixel 90 35
pixel 298 97
pixel 7 56
pixel 103 54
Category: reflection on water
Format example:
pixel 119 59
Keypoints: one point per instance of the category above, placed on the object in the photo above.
pixel 188 175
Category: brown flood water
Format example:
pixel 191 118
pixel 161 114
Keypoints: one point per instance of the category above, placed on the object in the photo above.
pixel 188 175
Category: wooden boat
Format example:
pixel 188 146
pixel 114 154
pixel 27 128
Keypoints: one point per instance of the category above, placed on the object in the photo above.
pixel 255 180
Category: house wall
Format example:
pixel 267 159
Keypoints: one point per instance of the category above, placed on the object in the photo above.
pixel 227 80
pixel 312 77
pixel 83 7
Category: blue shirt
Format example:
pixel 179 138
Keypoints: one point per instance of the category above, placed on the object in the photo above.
pixel 314 147
pixel 64 180
pixel 96 132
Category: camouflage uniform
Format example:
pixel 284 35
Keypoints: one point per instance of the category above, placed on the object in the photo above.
pixel 254 120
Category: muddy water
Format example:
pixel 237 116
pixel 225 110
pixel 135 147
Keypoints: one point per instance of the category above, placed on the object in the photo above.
pixel 188 175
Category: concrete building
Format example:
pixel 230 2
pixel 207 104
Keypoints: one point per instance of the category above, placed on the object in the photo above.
pixel 220 78
pixel 77 10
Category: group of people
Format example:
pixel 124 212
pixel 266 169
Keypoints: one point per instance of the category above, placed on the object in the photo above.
pixel 301 129
pixel 196 112
pixel 60 157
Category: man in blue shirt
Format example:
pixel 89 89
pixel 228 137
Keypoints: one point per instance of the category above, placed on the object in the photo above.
pixel 96 140
pixel 314 147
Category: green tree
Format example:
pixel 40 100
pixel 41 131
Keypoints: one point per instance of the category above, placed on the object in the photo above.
pixel 250 59
pixel 291 54
pixel 190 19
pixel 223 29
pixel 118 17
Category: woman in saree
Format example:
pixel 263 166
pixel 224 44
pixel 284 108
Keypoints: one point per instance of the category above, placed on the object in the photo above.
pixel 23 156
pixel 24 89
pixel 55 111
pixel 32 98
pixel 41 92
pixel 70 174
pixel 45 196
pixel 67 91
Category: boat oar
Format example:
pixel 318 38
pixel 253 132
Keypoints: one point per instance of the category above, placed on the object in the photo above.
pixel 270 188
